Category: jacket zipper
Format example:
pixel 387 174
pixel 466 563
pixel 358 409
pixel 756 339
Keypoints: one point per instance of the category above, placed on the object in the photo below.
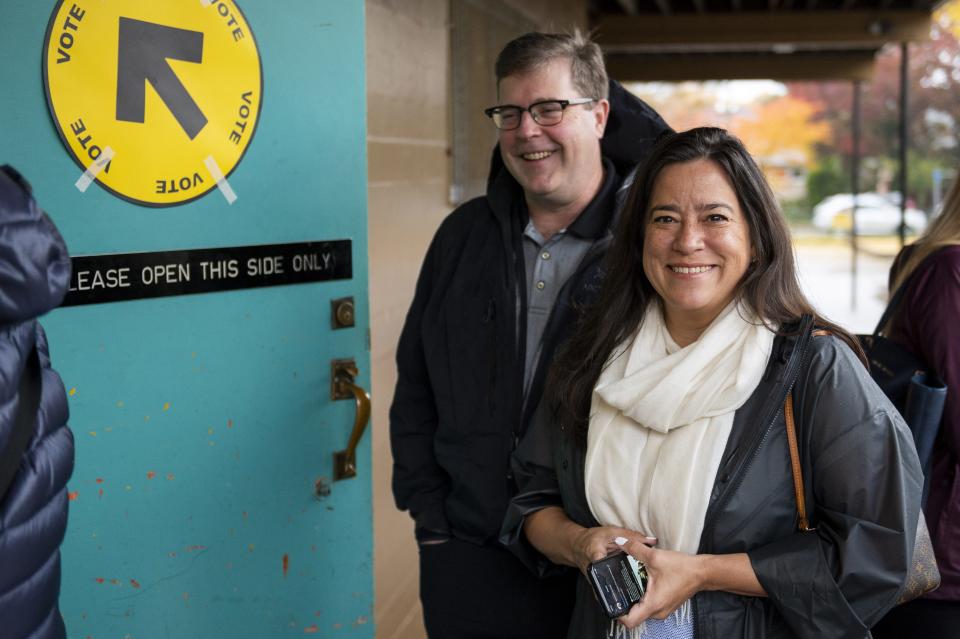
pixel 791 374
pixel 741 475
pixel 488 317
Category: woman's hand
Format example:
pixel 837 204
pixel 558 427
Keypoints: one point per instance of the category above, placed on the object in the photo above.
pixel 675 577
pixel 567 543
pixel 593 544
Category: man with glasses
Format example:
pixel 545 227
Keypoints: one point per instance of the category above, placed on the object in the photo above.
pixel 496 295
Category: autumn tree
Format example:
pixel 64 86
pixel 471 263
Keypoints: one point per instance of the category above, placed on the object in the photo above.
pixel 783 125
pixel 683 105
pixel 932 117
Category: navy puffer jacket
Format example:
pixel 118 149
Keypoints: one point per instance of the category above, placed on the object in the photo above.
pixel 34 276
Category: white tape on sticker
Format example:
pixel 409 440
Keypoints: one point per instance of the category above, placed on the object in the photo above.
pixel 94 169
pixel 221 181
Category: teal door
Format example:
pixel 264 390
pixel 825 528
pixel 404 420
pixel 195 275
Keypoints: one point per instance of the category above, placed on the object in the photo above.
pixel 197 350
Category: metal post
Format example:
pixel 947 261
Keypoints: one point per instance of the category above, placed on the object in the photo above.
pixel 855 191
pixel 904 142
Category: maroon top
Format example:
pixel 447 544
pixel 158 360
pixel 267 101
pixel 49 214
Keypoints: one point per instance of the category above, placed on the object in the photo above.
pixel 928 323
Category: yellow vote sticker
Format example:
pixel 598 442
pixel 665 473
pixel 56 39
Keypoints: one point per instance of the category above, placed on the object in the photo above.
pixel 158 100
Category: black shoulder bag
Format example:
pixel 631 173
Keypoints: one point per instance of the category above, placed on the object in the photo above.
pixel 24 423
pixel 914 389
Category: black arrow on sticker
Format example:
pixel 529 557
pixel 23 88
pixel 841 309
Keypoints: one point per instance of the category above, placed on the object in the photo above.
pixel 144 48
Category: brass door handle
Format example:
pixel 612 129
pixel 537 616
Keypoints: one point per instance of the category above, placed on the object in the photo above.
pixel 343 374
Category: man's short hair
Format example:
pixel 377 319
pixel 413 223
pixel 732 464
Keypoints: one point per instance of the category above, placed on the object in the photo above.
pixel 533 50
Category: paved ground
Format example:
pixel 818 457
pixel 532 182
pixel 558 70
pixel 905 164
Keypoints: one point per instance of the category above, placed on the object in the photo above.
pixel 825 273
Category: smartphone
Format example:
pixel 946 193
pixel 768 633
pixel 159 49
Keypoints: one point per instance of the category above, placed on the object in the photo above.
pixel 618 581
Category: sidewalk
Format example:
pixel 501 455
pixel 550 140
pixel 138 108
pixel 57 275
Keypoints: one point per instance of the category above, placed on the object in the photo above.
pixel 824 263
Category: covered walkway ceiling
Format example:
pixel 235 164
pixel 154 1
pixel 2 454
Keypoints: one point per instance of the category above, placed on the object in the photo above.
pixel 676 40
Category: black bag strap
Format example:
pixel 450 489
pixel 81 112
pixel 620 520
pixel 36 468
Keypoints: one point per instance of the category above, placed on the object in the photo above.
pixel 24 423
pixel 794 367
pixel 898 296
pixel 894 303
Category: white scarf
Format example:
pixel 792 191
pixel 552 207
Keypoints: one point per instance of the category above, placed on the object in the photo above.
pixel 659 422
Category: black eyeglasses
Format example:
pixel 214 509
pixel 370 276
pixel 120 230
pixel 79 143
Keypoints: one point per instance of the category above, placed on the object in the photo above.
pixel 546 113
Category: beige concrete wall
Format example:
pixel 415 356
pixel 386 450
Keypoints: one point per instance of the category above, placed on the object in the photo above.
pixel 408 146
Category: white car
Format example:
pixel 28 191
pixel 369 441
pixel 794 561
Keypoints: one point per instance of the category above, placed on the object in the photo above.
pixel 876 214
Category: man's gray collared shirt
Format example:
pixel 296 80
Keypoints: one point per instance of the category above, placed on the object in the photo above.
pixel 549 264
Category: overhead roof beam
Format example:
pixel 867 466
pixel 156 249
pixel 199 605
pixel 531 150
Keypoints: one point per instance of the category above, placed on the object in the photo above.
pixel 785 68
pixel 823 29
pixel 664 6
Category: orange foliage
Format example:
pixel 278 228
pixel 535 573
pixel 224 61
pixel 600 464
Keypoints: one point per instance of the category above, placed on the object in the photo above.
pixel 948 17
pixel 684 105
pixel 783 126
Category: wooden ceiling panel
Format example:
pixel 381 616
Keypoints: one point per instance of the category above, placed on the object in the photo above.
pixel 824 30
pixel 784 68
pixel 676 40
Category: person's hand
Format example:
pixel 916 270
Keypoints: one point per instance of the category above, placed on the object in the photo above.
pixel 673 577
pixel 593 544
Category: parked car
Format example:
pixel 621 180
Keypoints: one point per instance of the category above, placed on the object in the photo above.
pixel 876 214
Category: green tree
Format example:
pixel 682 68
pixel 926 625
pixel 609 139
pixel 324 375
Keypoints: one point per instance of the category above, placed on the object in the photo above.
pixel 828 176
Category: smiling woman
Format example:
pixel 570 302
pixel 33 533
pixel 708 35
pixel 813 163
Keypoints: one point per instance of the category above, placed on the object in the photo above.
pixel 663 432
pixel 697 246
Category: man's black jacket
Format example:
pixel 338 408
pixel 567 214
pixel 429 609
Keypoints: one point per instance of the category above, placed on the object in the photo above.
pixel 458 409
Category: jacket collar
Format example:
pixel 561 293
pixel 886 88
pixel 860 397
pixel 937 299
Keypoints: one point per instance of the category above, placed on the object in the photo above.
pixel 34 263
pixel 508 203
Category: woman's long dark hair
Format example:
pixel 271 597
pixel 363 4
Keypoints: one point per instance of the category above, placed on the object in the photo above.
pixel 769 287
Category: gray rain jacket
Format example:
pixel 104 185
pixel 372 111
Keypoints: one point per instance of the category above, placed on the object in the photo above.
pixel 863 483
